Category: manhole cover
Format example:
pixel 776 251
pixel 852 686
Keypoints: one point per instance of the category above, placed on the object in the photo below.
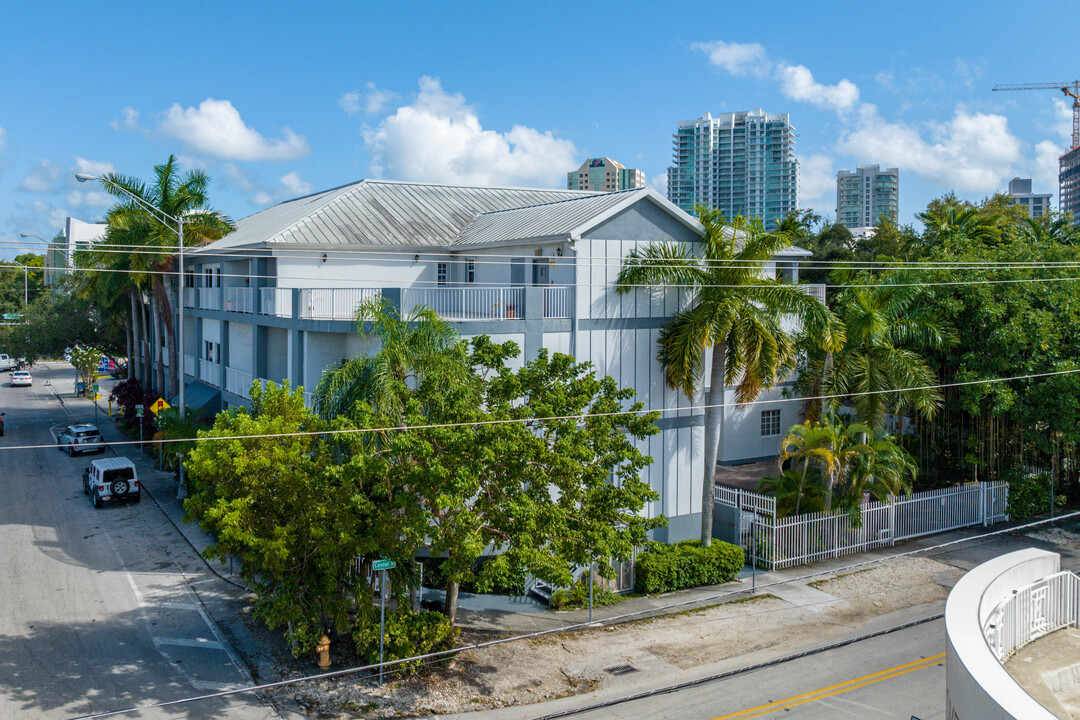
pixel 620 670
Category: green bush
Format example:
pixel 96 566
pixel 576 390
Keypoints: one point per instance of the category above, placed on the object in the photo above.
pixel 577 596
pixel 407 634
pixel 1030 495
pixel 663 568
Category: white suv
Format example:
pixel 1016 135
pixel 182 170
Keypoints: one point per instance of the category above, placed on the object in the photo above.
pixel 80 438
pixel 111 479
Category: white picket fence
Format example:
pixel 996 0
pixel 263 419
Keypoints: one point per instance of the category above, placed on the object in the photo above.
pixel 1033 611
pixel 800 539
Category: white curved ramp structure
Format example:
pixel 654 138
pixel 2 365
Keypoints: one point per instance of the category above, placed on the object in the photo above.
pixel 989 610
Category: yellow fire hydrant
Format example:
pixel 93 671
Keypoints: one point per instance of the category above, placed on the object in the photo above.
pixel 322 649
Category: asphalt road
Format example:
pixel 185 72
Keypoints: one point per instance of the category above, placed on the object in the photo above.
pixel 98 608
pixel 894 676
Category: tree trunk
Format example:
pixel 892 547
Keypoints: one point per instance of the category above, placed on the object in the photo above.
pixel 802 482
pixel 169 317
pixel 136 361
pixel 714 422
pixel 450 606
pixel 129 332
pixel 159 366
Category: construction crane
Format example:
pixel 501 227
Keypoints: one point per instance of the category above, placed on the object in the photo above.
pixel 1072 89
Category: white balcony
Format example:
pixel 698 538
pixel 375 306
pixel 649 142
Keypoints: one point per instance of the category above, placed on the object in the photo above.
pixel 210 372
pixel 238 382
pixel 275 301
pixel 334 303
pixel 189 365
pixel 209 298
pixel 239 299
pixel 466 303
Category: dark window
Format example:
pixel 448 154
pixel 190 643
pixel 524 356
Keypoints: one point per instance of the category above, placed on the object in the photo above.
pixel 119 474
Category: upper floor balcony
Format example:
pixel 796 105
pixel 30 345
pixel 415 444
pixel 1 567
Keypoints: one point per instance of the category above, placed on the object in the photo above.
pixel 451 303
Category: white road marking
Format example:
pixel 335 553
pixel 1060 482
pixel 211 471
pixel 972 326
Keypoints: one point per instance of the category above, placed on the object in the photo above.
pixel 189 642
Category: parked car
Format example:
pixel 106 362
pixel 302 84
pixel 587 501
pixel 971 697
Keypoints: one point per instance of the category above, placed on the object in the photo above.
pixel 6 362
pixel 80 438
pixel 21 378
pixel 111 480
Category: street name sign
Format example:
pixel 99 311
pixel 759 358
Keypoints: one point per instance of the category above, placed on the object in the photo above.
pixel 384 565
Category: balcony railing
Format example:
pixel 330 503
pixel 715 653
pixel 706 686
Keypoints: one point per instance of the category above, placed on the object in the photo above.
pixel 557 302
pixel 467 303
pixel 240 299
pixel 275 301
pixel 210 372
pixel 238 382
pixel 189 365
pixel 209 298
pixel 816 291
pixel 334 303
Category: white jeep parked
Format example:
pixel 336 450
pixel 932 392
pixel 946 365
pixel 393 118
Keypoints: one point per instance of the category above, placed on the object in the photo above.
pixel 111 479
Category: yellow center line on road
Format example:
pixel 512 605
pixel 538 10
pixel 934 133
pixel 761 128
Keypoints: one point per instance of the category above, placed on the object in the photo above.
pixel 839 688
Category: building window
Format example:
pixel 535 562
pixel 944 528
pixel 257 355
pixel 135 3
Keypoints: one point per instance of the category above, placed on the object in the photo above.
pixel 440 273
pixel 470 271
pixel 770 423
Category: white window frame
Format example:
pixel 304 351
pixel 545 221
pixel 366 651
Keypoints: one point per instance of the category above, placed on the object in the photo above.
pixel 770 423
pixel 442 274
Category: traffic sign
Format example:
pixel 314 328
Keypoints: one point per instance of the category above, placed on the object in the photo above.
pixel 384 564
pixel 159 405
pixel 138 410
pixel 96 388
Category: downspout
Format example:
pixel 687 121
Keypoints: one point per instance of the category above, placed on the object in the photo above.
pixel 574 320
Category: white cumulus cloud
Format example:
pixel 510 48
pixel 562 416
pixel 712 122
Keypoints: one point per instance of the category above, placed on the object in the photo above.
pixel 737 58
pixel 45 176
pixel 439 138
pixel 659 183
pixel 797 83
pixel 817 182
pixel 88 198
pixel 216 128
pixel 93 167
pixel 128 120
pixel 350 103
pixel 972 152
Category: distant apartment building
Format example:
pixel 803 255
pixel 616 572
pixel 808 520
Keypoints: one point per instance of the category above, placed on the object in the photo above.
pixel 866 196
pixel 741 163
pixel 76 235
pixel 604 175
pixel 1069 184
pixel 1036 204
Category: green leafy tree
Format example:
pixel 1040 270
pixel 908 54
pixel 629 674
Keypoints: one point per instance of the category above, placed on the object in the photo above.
pixel 55 321
pixel 796 491
pixel 19 286
pixel 737 312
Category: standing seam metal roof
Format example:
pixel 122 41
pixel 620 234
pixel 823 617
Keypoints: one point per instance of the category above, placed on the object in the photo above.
pixel 382 213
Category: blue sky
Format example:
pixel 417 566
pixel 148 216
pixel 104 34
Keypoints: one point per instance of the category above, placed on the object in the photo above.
pixel 274 100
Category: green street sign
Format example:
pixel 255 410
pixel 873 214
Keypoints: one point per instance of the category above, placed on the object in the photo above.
pixel 138 410
pixel 384 564
pixel 95 388
pixel 12 316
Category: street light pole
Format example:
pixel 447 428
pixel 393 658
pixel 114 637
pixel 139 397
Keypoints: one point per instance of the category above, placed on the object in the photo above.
pixel 83 177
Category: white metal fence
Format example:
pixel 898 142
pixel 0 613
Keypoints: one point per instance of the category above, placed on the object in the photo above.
pixel 1031 612
pixel 238 382
pixel 240 299
pixel 189 365
pixel 800 539
pixel 275 301
pixel 334 303
pixel 464 303
pixel 557 301
pixel 817 292
pixel 209 298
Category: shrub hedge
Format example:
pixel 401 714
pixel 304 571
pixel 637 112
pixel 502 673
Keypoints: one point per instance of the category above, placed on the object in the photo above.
pixel 577 596
pixel 1030 495
pixel 407 634
pixel 664 568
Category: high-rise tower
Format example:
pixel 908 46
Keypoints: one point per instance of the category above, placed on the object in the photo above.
pixel 865 196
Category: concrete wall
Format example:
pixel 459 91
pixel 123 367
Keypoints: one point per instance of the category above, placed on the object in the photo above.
pixel 241 342
pixel 977 687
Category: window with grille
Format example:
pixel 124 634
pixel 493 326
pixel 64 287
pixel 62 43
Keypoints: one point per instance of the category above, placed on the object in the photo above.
pixel 770 423
pixel 440 273
pixel 470 271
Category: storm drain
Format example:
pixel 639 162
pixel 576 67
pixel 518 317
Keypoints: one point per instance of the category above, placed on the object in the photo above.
pixel 620 670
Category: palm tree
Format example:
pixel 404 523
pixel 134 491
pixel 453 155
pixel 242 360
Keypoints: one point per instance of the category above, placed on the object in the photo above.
pixel 886 470
pixel 1046 229
pixel 811 442
pixel 736 311
pixel 794 489
pixel 411 348
pixel 956 222
pixel 153 238
pixel 883 321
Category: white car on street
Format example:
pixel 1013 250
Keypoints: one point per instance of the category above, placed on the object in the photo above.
pixel 21 378
pixel 80 438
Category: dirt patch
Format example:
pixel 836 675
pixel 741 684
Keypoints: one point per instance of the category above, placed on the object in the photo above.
pixel 566 664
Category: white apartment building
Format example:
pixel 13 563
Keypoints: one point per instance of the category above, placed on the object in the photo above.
pixel 866 196
pixel 741 163
pixel 275 300
pixel 604 175
pixel 75 236
pixel 1036 204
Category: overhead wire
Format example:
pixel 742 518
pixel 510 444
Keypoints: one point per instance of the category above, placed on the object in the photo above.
pixel 577 416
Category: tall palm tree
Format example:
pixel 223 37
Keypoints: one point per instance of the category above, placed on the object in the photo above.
pixel 810 442
pixel 886 470
pixel 411 348
pixel 884 321
pixel 1047 229
pixel 736 311
pixel 153 238
pixel 958 221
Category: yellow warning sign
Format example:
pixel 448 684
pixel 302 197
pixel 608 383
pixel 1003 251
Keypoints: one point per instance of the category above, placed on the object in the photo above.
pixel 158 406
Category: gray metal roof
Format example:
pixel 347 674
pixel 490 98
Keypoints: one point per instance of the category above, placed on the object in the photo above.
pixel 562 218
pixel 380 212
